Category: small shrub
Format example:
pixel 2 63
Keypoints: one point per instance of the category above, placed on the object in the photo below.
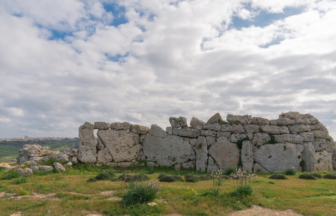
pixel 167 179
pixel 242 191
pixel 161 175
pixel 229 171
pixel 271 182
pixel 290 172
pixel 302 164
pixel 151 171
pixel 20 180
pixel 223 122
pixel 272 141
pixel 92 180
pixel 11 174
pixel 139 193
pixel 111 172
pixel 103 176
pixel 204 178
pixel 277 176
pixel 330 176
pixel 307 176
pixel 24 192
pixel 316 175
pixel 133 178
pixel 190 178
pixel 178 178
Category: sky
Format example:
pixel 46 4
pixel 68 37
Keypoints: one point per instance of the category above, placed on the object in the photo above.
pixel 65 62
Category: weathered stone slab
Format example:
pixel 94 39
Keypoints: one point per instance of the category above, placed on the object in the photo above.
pixel 157 131
pixel 247 156
pixel 101 125
pixel 87 144
pixel 139 129
pixel 169 130
pixel 208 133
pixel 285 122
pixel 308 156
pixel 278 157
pixel 23 159
pixel 217 118
pixel 61 157
pixel 260 121
pixel 178 122
pixel 46 168
pixel 59 167
pixel 294 129
pixel 25 171
pixel 35 168
pixel 236 137
pixel 258 168
pixel 313 120
pixel 323 144
pixel 186 132
pixel 323 161
pixel 260 138
pixel 291 138
pixel 307 136
pixel 223 134
pixel 233 128
pixel 274 129
pixel 196 123
pixel 225 153
pixel 120 126
pixel 291 115
pixel 70 151
pixel 317 126
pixel 238 119
pixel 104 156
pixel 319 134
pixel 212 167
pixel 302 121
pixel 100 145
pixel 201 154
pixel 189 165
pixel 252 128
pixel 168 151
pixel 213 126
pixel 123 145
pixel 210 140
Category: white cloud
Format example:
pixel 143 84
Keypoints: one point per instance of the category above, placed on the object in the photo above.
pixel 180 60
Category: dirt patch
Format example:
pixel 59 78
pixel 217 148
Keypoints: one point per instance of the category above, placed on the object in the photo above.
pixel 16 214
pixel 174 215
pixel 259 211
pixel 161 200
pixel 115 198
pixel 35 196
pixel 107 193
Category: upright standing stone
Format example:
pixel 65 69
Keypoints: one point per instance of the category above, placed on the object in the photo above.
pixel 196 123
pixel 201 154
pixel 217 118
pixel 308 156
pixel 212 167
pixel 87 143
pixel 247 156
pixel 323 161
pixel 104 156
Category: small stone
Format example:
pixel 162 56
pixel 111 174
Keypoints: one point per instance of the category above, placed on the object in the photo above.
pixel 180 122
pixel 59 166
pixel 46 168
pixel 25 171
pixel 215 119
pixel 139 129
pixel 35 168
pixel 101 125
pixel 157 131
pixel 196 123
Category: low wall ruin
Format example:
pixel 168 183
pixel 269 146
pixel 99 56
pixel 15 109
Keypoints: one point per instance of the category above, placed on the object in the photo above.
pixel 294 140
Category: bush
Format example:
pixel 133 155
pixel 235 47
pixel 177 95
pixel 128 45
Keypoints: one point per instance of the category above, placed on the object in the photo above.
pixel 20 180
pixel 167 179
pixel 2 169
pixel 290 172
pixel 330 176
pixel 281 177
pixel 242 191
pixel 204 178
pixel 91 180
pixel 139 193
pixel 161 175
pixel 111 172
pixel 178 178
pixel 229 171
pixel 316 175
pixel 307 176
pixel 190 178
pixel 103 176
pixel 23 192
pixel 128 178
pixel 11 174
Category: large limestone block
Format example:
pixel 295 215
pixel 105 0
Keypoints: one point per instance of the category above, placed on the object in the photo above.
pixel 260 121
pixel 223 134
pixel 62 157
pixel 319 134
pixel 210 140
pixel 313 120
pixel 225 153
pixel 70 151
pixel 236 137
pixel 169 130
pixel 123 145
pixel 323 161
pixel 278 157
pixel 307 136
pixel 317 126
pixel 208 133
pixel 291 115
pixel 186 132
pixel 258 168
pixel 323 144
pixel 333 157
pixel 189 165
pixel 201 154
pixel 213 126
pixel 46 168
pixel 87 144
pixel 238 119
pixel 139 129
pixel 252 128
pixel 294 129
pixel 217 118
pixel 196 123
pixel 212 167
pixel 247 156
pixel 260 138
pixel 308 155
pixel 302 121
pixel 101 125
pixel 291 138
pixel 274 129
pixel 120 126
pixel 100 145
pixel 59 167
pixel 157 131
pixel 232 128
pixel 282 122
pixel 104 156
pixel 23 159
pixel 25 171
pixel 180 122
pixel 168 151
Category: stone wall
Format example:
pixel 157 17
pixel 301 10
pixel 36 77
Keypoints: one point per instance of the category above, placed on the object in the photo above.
pixel 293 140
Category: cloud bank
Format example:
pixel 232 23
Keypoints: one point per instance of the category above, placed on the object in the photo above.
pixel 65 62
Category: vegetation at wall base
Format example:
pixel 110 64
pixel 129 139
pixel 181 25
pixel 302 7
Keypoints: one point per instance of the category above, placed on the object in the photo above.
pixel 278 176
pixel 316 175
pixel 229 171
pixel 307 176
pixel 290 172
pixel 330 176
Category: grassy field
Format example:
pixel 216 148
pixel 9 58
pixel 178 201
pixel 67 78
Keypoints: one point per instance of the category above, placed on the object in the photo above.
pixel 10 150
pixel 68 193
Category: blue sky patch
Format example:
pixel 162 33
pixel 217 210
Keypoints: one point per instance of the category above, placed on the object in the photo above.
pixel 118 13
pixel 59 34
pixel 116 58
